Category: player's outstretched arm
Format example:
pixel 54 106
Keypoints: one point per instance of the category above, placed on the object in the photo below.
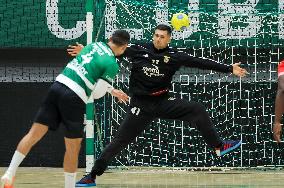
pixel 102 87
pixel 120 95
pixel 238 71
pixel 187 60
pixel 279 110
pixel 74 50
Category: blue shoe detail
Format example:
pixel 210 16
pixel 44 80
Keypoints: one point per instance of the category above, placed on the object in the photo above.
pixel 86 181
pixel 228 146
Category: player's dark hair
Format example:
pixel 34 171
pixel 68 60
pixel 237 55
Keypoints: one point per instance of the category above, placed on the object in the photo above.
pixel 120 37
pixel 164 27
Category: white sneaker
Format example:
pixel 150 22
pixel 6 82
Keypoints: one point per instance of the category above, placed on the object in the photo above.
pixel 7 180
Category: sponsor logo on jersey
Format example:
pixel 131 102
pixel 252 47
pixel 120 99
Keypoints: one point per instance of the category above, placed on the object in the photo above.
pixel 75 65
pixel 154 71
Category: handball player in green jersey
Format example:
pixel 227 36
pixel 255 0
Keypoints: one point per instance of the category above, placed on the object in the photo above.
pixel 86 77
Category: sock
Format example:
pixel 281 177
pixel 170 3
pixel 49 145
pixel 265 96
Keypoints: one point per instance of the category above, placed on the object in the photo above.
pixel 70 179
pixel 15 162
pixel 99 168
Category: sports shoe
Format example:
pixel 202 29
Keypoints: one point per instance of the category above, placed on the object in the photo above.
pixel 7 180
pixel 86 181
pixel 228 145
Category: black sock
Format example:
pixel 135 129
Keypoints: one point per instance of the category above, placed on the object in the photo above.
pixel 99 168
pixel 219 145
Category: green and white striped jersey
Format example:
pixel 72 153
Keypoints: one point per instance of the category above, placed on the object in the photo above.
pixel 95 61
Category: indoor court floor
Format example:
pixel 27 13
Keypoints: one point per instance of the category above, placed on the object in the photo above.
pixel 53 178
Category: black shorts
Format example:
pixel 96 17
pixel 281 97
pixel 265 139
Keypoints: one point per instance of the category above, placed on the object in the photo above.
pixel 62 105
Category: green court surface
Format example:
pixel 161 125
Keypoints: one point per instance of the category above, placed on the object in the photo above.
pixel 153 178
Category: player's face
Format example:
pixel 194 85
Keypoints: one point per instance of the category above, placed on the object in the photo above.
pixel 161 39
pixel 120 50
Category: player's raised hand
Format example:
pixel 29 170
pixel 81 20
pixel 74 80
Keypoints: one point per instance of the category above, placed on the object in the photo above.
pixel 238 71
pixel 74 50
pixel 277 130
pixel 120 95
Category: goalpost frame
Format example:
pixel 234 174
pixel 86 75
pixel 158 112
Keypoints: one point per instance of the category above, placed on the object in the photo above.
pixel 90 104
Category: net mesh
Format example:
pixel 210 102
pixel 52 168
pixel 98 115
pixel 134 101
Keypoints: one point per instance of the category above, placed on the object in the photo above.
pixel 229 32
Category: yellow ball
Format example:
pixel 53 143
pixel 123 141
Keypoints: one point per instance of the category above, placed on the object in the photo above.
pixel 180 21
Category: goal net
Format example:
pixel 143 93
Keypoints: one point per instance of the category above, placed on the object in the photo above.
pixel 226 31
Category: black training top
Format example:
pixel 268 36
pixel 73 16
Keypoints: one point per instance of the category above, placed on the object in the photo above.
pixel 152 69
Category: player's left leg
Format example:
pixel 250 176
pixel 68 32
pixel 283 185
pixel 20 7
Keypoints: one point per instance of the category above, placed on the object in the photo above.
pixel 72 110
pixel 70 163
pixel 137 119
pixel 196 113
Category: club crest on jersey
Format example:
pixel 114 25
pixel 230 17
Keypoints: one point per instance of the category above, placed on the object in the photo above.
pixel 166 59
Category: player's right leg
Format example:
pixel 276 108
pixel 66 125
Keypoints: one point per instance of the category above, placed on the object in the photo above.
pixel 135 122
pixel 196 113
pixel 46 115
pixel 279 101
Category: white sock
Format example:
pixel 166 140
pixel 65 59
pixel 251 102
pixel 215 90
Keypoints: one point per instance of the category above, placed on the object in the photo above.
pixel 15 162
pixel 70 179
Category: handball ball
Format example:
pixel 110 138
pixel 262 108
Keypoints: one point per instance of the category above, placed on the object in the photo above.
pixel 180 21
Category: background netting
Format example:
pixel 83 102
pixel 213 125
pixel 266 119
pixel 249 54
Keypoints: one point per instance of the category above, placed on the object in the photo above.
pixel 240 108
pixel 229 31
